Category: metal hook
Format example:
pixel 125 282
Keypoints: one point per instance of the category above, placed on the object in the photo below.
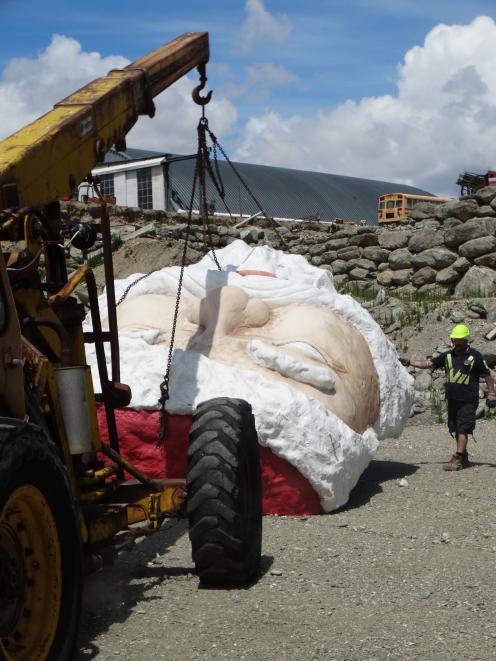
pixel 201 100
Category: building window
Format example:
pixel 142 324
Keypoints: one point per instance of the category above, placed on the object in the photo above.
pixel 107 185
pixel 145 197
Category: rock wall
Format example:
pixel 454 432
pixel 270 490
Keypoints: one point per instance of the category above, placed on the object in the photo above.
pixel 449 248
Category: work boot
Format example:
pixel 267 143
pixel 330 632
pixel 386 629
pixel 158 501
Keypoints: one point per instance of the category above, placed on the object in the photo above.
pixel 457 462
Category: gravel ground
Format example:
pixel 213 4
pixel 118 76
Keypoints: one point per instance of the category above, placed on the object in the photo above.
pixel 404 571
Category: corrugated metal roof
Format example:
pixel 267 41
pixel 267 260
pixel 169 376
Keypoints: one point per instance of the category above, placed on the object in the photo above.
pixel 131 154
pixel 282 192
pixel 287 193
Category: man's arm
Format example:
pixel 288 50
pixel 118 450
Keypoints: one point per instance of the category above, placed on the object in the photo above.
pixel 491 397
pixel 422 364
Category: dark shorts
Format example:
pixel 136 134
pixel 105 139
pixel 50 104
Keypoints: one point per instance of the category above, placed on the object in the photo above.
pixel 461 417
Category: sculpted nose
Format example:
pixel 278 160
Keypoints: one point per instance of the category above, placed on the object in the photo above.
pixel 222 310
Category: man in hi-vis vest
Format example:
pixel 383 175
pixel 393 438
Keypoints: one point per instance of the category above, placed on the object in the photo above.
pixel 464 367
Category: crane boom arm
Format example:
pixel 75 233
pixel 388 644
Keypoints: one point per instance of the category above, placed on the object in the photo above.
pixel 46 160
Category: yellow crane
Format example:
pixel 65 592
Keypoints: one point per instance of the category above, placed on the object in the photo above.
pixel 60 504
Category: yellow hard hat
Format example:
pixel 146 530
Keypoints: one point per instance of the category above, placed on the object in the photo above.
pixel 460 332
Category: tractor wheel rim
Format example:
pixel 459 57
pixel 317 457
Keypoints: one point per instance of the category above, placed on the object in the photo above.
pixel 30 543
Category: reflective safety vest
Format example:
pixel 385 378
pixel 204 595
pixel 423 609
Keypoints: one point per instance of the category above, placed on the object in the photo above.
pixel 458 376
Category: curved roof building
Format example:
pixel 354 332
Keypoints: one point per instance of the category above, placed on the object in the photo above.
pixel 281 192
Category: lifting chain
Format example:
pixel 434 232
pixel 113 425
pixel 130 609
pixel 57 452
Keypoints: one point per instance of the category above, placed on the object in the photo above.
pixel 203 167
pixel 217 180
pixel 164 386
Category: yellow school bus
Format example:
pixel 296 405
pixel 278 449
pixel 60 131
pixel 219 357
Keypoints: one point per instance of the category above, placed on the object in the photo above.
pixel 395 207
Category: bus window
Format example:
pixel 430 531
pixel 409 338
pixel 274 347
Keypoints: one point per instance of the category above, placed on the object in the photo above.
pixel 390 204
pixel 399 204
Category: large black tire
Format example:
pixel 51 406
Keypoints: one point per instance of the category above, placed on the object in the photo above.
pixel 224 501
pixel 40 594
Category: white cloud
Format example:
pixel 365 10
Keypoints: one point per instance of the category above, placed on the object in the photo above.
pixel 173 129
pixel 260 80
pixel 260 25
pixel 30 87
pixel 440 122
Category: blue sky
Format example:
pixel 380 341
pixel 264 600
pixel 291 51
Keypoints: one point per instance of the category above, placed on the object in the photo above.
pixel 282 72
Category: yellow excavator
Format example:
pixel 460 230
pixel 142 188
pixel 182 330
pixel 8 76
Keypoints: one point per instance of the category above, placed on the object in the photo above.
pixel 64 499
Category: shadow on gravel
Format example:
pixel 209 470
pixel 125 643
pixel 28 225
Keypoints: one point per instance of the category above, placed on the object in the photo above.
pixel 473 464
pixel 112 594
pixel 266 562
pixel 369 484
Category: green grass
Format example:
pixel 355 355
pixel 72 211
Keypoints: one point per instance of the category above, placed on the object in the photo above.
pixel 357 292
pixel 115 243
pixel 95 261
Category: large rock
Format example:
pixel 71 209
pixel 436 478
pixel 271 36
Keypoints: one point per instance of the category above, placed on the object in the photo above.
pixel 485 210
pixel 487 260
pixel 461 265
pixel 424 276
pixel 473 229
pixel 464 209
pixel 329 255
pixel 251 235
pixel 393 239
pixel 447 276
pixel 401 277
pixel 420 213
pixel 451 222
pixel 351 230
pixel 376 254
pixel 385 278
pixel 365 239
pixel 423 240
pixel 358 274
pixel 366 264
pixel 339 266
pixel 350 252
pixel 476 247
pixel 316 260
pixel 317 249
pixel 485 195
pixel 443 211
pixel 335 244
pixel 400 259
pixel 437 258
pixel 477 281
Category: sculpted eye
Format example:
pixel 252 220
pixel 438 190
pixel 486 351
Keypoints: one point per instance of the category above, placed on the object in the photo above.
pixel 306 348
pixel 279 360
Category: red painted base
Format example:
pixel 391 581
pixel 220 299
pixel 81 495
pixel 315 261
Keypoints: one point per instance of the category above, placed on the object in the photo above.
pixel 285 490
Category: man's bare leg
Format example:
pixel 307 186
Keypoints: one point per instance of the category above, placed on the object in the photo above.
pixel 461 443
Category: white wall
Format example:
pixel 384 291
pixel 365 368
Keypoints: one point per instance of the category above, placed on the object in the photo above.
pixel 120 189
pixel 158 187
pixel 132 188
